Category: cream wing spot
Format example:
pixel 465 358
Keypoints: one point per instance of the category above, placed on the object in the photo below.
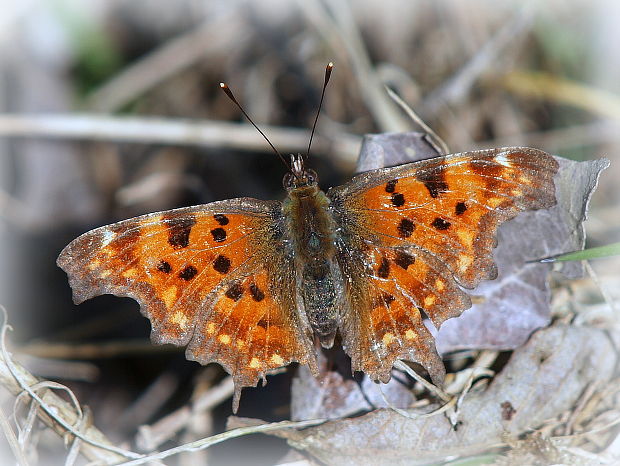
pixel 130 273
pixel 210 328
pixel 277 359
pixel 494 201
pixel 254 363
pixel 411 335
pixel 429 300
pixel 179 318
pixel 169 296
pixel 466 236
pixel 388 338
pixel 224 339
pixel 440 284
pixel 464 262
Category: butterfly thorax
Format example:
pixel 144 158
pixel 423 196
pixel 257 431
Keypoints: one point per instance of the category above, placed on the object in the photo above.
pixel 311 231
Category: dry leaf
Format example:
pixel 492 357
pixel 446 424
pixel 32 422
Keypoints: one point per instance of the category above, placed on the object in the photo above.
pixel 543 378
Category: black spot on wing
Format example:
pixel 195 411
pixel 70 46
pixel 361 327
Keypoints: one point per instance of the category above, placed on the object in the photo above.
pixel 179 230
pixel 388 298
pixel 219 235
pixel 164 267
pixel 404 260
pixel 234 292
pixel 440 224
pixel 460 208
pixel 434 180
pixel 405 228
pixel 221 264
pixel 398 199
pixel 384 268
pixel 188 273
pixel 256 293
pixel 390 186
pixel 221 219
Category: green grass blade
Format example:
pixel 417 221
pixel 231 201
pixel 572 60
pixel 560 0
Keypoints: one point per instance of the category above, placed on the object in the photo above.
pixel 586 254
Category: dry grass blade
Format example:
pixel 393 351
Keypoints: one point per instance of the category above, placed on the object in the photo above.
pixel 440 144
pixel 151 436
pixel 18 452
pixel 429 386
pixel 442 409
pixel 55 412
pixel 554 88
pixel 174 131
pixel 209 441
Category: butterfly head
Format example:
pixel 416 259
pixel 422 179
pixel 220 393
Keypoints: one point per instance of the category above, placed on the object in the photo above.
pixel 299 176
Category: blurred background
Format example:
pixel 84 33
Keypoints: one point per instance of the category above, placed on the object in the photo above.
pixel 111 109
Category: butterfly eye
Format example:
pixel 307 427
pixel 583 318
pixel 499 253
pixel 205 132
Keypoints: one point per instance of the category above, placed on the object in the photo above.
pixel 312 177
pixel 288 181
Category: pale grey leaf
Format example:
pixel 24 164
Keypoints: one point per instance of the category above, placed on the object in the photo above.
pixel 542 379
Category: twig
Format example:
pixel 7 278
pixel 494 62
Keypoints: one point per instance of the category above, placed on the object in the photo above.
pixel 344 147
pixel 474 373
pixel 209 441
pixel 607 426
pixel 403 412
pixel 429 386
pixel 442 147
pixel 12 440
pixel 58 414
pixel 83 423
pixel 150 437
pixel 109 349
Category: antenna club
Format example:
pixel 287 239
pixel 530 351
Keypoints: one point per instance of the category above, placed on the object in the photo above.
pixel 328 73
pixel 223 85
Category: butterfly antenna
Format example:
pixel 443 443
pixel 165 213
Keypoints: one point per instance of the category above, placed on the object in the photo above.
pixel 328 73
pixel 230 95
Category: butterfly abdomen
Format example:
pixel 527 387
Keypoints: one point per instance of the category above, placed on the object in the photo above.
pixel 311 229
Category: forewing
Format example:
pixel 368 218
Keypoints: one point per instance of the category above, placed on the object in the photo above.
pixel 217 277
pixel 439 217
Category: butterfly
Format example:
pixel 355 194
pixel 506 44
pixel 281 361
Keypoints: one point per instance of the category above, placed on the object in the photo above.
pixel 250 283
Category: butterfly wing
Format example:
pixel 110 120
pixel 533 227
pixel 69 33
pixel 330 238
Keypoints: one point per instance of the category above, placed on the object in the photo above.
pixel 410 235
pixel 216 277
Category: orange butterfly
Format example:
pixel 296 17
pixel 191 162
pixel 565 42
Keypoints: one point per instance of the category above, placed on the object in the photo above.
pixel 247 282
